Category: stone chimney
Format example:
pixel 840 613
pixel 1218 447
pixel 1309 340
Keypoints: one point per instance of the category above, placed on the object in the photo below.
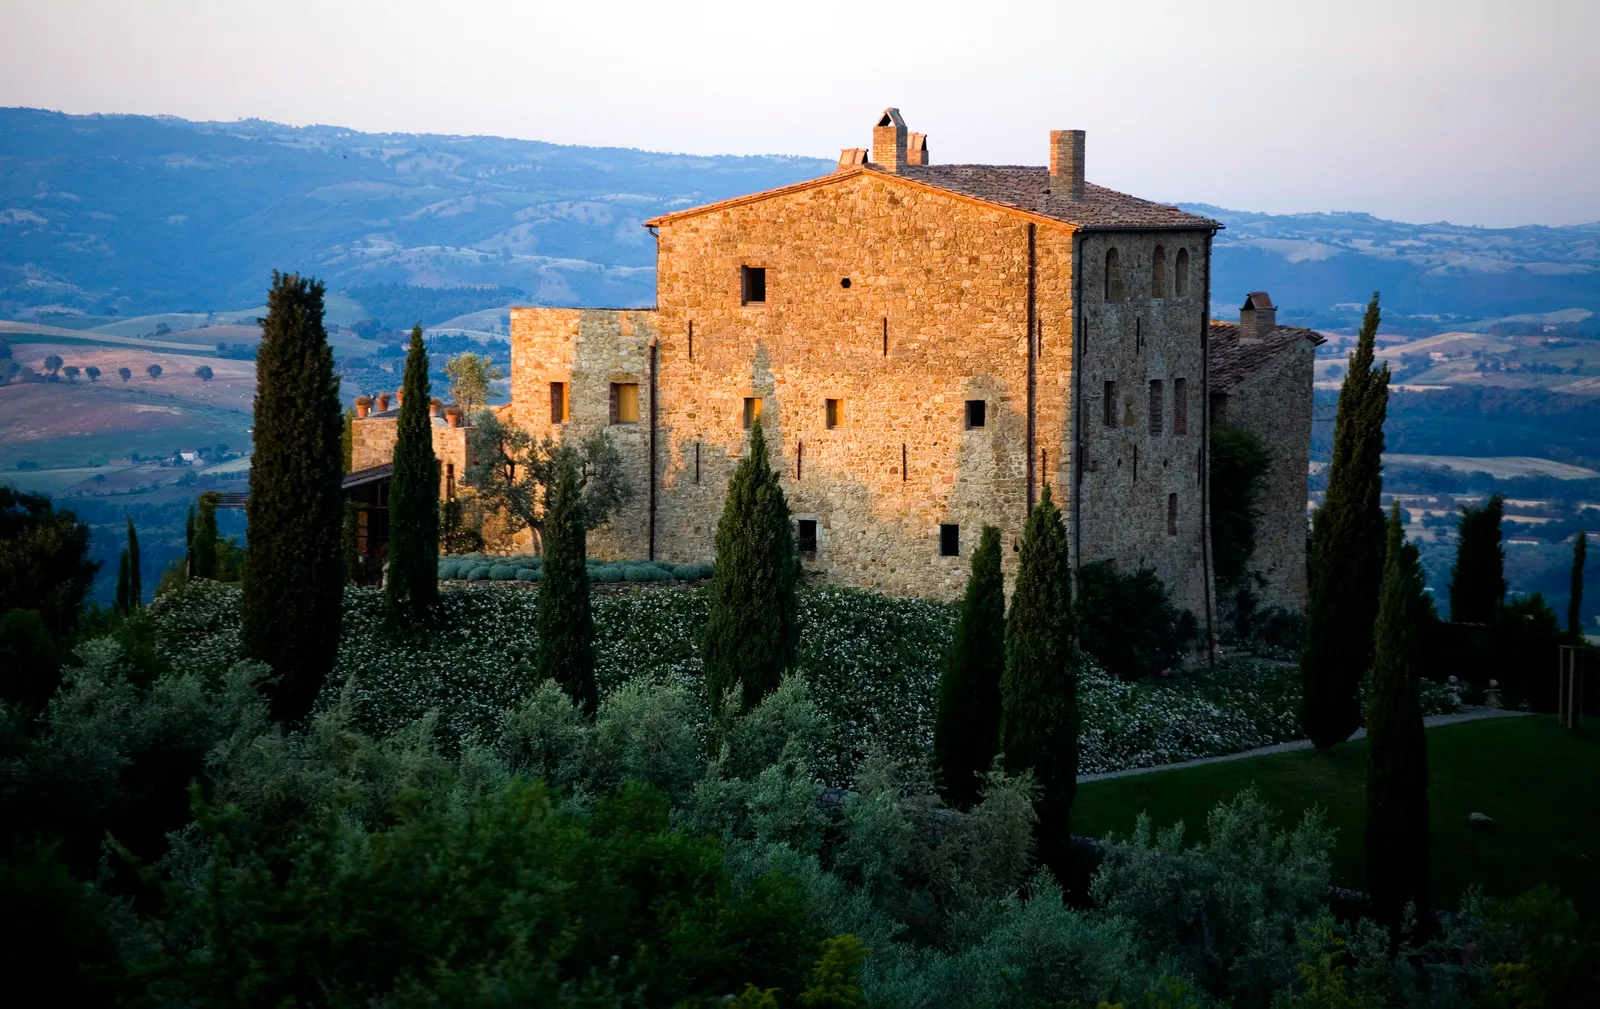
pixel 1066 164
pixel 363 407
pixel 383 402
pixel 1257 317
pixel 917 149
pixel 852 157
pixel 889 141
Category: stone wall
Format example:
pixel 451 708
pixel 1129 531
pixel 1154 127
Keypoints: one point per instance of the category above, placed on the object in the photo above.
pixel 372 441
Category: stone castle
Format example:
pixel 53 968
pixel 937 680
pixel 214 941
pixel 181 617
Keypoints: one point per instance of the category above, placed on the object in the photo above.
pixel 927 347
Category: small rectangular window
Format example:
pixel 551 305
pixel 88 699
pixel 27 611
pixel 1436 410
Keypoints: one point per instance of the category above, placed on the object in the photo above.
pixel 624 402
pixel 449 481
pixel 752 410
pixel 558 403
pixel 1172 514
pixel 1108 406
pixel 949 541
pixel 1180 406
pixel 833 413
pixel 1157 400
pixel 752 285
pixel 977 411
pixel 807 535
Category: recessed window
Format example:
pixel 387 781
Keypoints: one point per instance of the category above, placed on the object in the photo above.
pixel 977 413
pixel 559 405
pixel 845 283
pixel 1157 402
pixel 1108 406
pixel 1113 276
pixel 1180 406
pixel 624 402
pixel 806 535
pixel 949 541
pixel 1158 273
pixel 752 410
pixel 833 413
pixel 1172 514
pixel 752 285
pixel 1181 274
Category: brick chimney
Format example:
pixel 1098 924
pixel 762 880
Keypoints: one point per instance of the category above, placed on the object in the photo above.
pixel 889 141
pixel 1257 317
pixel 917 149
pixel 852 157
pixel 1066 164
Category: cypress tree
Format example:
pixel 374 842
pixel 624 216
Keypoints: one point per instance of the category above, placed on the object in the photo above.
pixel 188 544
pixel 966 731
pixel 294 568
pixel 753 630
pixel 1039 690
pixel 1478 577
pixel 135 583
pixel 203 546
pixel 1580 554
pixel 123 606
pixel 566 624
pixel 1346 562
pixel 1397 746
pixel 412 581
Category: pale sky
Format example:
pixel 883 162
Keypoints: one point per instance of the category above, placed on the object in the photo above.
pixel 1418 110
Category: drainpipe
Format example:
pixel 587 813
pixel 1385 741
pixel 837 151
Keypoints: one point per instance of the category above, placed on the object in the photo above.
pixel 1205 457
pixel 1078 442
pixel 1033 358
pixel 655 355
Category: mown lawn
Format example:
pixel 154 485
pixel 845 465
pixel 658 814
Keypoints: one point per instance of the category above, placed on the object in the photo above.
pixel 1540 784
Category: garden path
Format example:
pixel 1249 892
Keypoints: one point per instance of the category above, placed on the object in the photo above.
pixel 1469 714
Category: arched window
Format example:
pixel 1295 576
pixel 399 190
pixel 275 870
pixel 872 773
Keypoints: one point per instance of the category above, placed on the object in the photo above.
pixel 1181 287
pixel 1158 273
pixel 1113 277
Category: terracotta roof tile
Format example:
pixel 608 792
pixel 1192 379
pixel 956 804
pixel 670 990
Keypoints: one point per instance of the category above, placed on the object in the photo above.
pixel 1233 361
pixel 1027 188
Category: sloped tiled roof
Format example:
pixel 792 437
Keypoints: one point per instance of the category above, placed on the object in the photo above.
pixel 1028 188
pixel 1233 361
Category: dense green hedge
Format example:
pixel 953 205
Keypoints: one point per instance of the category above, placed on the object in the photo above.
pixel 529 568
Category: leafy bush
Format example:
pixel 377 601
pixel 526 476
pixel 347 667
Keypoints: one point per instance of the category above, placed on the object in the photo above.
pixel 1128 623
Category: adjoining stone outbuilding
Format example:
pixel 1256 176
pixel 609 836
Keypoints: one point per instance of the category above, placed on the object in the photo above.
pixel 927 346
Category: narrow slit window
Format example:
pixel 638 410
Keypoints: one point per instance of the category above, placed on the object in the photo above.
pixel 696 462
pixel 1108 406
pixel 752 410
pixel 903 460
pixel 753 285
pixel 833 413
pixel 1180 406
pixel 1172 514
pixel 806 530
pixel 559 406
pixel 1158 273
pixel 1181 273
pixel 691 339
pixel 886 336
pixel 949 541
pixel 624 402
pixel 977 413
pixel 1157 404
pixel 1113 276
pixel 799 460
pixel 449 481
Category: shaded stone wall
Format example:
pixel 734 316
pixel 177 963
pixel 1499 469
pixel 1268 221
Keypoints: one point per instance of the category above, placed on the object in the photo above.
pixel 372 444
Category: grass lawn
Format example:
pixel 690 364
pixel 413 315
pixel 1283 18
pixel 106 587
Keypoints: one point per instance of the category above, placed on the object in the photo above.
pixel 1539 783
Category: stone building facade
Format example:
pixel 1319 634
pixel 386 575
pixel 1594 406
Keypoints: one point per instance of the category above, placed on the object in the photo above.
pixel 927 347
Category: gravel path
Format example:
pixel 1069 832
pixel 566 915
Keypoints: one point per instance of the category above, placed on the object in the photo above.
pixel 1471 714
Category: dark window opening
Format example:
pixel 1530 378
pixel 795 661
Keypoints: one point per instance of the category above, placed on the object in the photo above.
pixel 696 462
pixel 1158 273
pixel 799 459
pixel 807 535
pixel 886 336
pixel 752 410
pixel 1113 276
pixel 1172 514
pixel 624 402
pixel 832 413
pixel 977 411
pixel 845 283
pixel 559 406
pixel 753 285
pixel 449 481
pixel 902 462
pixel 1108 406
pixel 691 339
pixel 1181 274
pixel 1219 408
pixel 1138 335
pixel 1180 406
pixel 949 541
pixel 1157 403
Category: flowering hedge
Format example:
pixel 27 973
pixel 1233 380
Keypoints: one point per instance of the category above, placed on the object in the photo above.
pixel 872 665
pixel 530 568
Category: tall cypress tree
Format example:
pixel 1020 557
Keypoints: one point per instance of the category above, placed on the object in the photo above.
pixel 753 630
pixel 412 581
pixel 1580 556
pixel 123 605
pixel 1397 746
pixel 188 544
pixel 294 569
pixel 966 731
pixel 1478 577
pixel 135 584
pixel 1039 690
pixel 566 624
pixel 1346 562
pixel 204 542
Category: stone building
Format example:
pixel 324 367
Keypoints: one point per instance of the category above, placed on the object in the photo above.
pixel 927 347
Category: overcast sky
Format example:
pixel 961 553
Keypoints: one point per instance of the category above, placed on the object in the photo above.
pixel 1460 110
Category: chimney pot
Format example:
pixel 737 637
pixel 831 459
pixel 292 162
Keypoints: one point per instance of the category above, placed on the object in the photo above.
pixel 452 415
pixel 917 149
pixel 889 141
pixel 383 402
pixel 399 397
pixel 852 157
pixel 435 406
pixel 1066 164
pixel 363 407
pixel 1257 317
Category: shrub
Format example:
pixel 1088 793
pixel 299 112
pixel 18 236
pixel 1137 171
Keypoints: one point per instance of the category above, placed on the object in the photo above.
pixel 687 572
pixel 502 572
pixel 528 574
pixel 637 573
pixel 478 573
pixel 1128 623
pixel 610 574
